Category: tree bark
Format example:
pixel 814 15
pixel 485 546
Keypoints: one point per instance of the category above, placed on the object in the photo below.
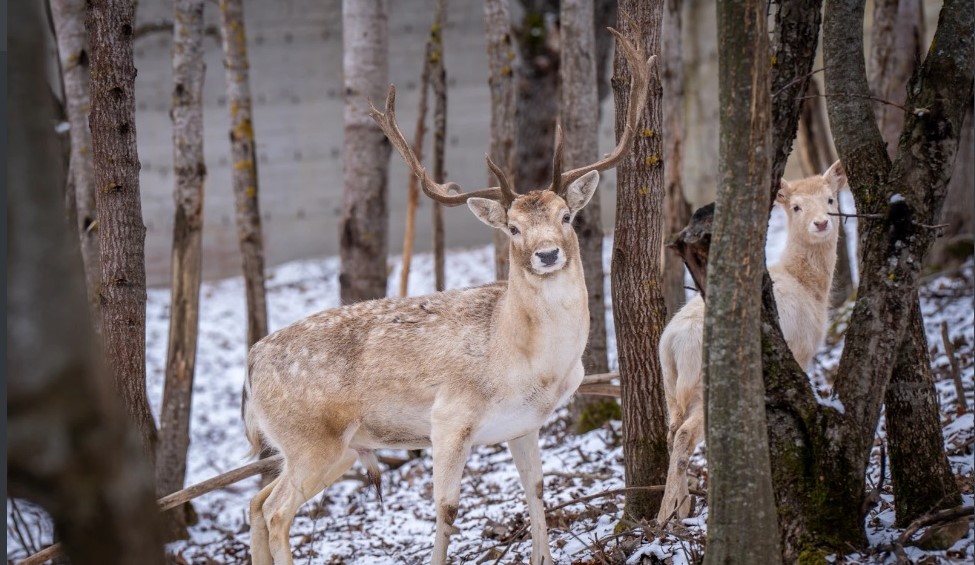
pixel 122 291
pixel 244 156
pixel 580 127
pixel 922 478
pixel 363 231
pixel 69 23
pixel 502 59
pixel 816 154
pixel 438 80
pixel 919 469
pixel 638 303
pixel 957 242
pixel 742 524
pixel 677 211
pixel 537 94
pixel 190 173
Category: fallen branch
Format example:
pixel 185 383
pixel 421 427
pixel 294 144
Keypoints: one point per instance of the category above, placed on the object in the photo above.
pixel 177 498
pixel 932 519
pixel 599 390
pixel 955 369
pixel 599 378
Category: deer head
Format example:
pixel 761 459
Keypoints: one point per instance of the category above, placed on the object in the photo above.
pixel 810 204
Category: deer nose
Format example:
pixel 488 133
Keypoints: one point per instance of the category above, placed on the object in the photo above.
pixel 821 226
pixel 548 257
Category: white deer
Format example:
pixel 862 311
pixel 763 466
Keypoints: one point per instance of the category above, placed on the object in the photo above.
pixel 801 279
pixel 448 370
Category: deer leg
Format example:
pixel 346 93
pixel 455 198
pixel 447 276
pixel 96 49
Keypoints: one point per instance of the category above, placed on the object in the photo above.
pixel 688 435
pixel 528 460
pixel 451 446
pixel 260 551
pixel 299 481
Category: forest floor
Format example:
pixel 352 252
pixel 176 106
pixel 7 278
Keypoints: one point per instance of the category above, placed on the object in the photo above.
pixel 346 523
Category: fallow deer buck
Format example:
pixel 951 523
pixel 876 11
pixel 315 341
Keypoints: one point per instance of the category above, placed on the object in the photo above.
pixel 448 370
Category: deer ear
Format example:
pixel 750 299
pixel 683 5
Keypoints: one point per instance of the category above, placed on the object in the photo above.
pixel 835 176
pixel 581 190
pixel 491 212
pixel 785 191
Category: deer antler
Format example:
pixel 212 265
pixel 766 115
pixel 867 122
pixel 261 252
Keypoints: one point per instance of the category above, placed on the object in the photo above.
pixel 639 89
pixel 439 192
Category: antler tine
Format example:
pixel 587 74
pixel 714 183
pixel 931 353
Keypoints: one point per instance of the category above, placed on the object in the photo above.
pixel 557 185
pixel 640 68
pixel 508 194
pixel 439 192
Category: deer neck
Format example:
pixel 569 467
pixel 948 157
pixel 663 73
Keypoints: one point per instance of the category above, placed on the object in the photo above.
pixel 811 265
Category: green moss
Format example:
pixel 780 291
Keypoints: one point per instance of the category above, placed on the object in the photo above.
pixel 815 556
pixel 596 414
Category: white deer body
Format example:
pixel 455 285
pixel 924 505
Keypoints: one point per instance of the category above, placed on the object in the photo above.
pixel 801 283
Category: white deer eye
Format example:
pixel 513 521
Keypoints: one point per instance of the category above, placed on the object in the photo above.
pixel 830 200
pixel 566 219
pixel 796 208
pixel 513 230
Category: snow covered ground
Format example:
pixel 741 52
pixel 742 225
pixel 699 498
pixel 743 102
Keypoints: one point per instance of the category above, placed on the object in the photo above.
pixel 346 524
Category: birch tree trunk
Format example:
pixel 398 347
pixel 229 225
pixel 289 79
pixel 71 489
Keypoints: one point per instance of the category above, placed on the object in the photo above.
pixel 363 231
pixel 244 156
pixel 121 231
pixel 742 525
pixel 920 472
pixel 677 211
pixel 501 62
pixel 69 446
pixel 639 310
pixel 580 127
pixel 190 173
pixel 69 24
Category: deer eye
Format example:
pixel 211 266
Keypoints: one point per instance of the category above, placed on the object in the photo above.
pixel 513 230
pixel 830 200
pixel 566 218
pixel 796 208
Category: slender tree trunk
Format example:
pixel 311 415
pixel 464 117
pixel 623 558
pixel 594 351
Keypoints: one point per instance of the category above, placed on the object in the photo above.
pixel 639 310
pixel 363 231
pixel 580 125
pixel 604 17
pixel 69 445
pixel 501 62
pixel 413 188
pixel 69 23
pixel 742 525
pixel 919 469
pixel 816 154
pixel 958 240
pixel 438 80
pixel 922 477
pixel 244 156
pixel 119 208
pixel 190 173
pixel 677 211
pixel 537 95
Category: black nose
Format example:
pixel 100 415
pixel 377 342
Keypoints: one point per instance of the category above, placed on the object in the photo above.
pixel 548 257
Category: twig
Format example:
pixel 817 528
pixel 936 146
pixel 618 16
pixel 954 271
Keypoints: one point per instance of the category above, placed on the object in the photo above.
pixel 798 79
pixel 599 378
pixel 854 95
pixel 955 369
pixel 177 498
pixel 599 390
pixel 865 216
pixel 925 521
pixel 166 26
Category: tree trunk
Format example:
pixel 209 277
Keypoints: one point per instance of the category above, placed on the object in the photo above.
pixel 742 524
pixel 816 154
pixel 244 157
pixel 918 463
pixel 501 61
pixel 438 80
pixel 119 208
pixel 957 242
pixel 69 445
pixel 537 95
pixel 919 469
pixel 677 211
pixel 580 126
pixel 638 304
pixel 190 173
pixel 365 218
pixel 69 23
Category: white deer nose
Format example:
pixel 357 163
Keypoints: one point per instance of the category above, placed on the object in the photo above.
pixel 821 226
pixel 549 256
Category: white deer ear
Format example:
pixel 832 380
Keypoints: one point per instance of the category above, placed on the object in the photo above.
pixel 580 192
pixel 835 176
pixel 491 212
pixel 785 191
